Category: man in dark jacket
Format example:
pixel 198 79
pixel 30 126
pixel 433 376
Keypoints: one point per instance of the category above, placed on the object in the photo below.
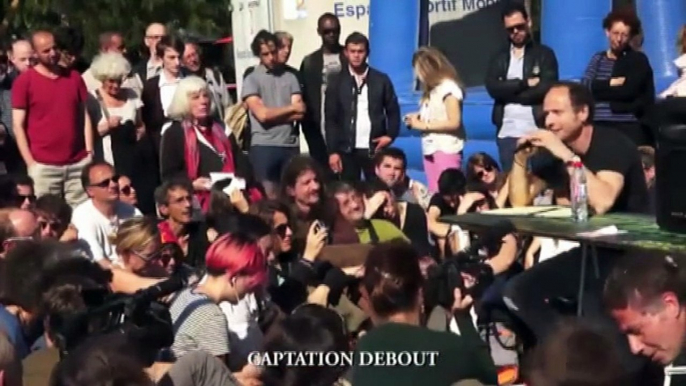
pixel 316 70
pixel 518 78
pixel 362 114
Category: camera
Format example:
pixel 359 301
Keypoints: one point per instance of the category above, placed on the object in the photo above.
pixel 140 317
pixel 444 277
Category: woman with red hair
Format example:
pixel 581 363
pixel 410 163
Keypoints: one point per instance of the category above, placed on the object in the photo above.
pixel 236 266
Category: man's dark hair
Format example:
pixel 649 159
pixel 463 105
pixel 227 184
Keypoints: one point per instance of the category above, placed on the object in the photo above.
pixel 54 205
pixel 245 226
pixel 513 7
pixel 23 180
pixel 357 38
pixel 162 191
pixel 262 37
pixel 169 42
pixel 392 152
pixel 643 277
pixel 69 39
pixel 624 15
pixel 24 269
pixel 86 172
pixel 452 181
pixel 579 96
pixel 327 16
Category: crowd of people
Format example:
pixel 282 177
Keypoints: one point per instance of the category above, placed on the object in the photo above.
pixel 122 176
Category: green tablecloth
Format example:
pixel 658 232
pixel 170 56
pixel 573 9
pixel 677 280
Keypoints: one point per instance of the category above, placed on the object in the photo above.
pixel 642 231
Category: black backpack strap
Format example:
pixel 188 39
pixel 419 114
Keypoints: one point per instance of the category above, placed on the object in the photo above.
pixel 373 236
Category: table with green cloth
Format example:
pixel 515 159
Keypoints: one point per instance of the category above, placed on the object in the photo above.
pixel 636 232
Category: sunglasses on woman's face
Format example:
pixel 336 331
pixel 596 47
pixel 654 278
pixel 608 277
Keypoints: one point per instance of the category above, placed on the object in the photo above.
pixel 126 190
pixel 486 169
pixel 281 229
pixel 53 225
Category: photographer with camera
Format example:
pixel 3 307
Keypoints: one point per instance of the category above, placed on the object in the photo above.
pixel 392 288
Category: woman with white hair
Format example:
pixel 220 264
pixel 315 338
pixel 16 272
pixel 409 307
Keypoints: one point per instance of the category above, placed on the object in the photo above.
pixel 116 110
pixel 195 144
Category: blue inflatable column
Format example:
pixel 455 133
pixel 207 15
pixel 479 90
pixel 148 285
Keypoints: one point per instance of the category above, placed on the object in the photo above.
pixel 393 36
pixel 661 22
pixel 574 30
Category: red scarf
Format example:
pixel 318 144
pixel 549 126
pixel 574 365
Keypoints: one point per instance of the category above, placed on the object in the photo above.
pixel 222 146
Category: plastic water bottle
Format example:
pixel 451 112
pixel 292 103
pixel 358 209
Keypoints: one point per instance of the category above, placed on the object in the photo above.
pixel 579 193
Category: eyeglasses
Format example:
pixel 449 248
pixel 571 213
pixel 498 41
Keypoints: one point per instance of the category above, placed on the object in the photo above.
pixel 106 183
pixel 516 28
pixel 49 224
pixel 486 169
pixel 126 189
pixel 154 36
pixel 165 255
pixel 282 229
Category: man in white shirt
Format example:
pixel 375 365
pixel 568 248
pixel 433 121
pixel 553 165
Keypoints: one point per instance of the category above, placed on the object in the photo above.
pixel 98 219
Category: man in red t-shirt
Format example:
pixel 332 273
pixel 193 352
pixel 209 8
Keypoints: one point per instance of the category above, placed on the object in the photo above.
pixel 50 123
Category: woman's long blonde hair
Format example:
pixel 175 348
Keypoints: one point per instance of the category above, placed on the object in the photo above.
pixel 136 234
pixel 434 67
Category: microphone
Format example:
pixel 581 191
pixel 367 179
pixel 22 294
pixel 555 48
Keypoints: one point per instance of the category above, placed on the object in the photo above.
pixel 161 289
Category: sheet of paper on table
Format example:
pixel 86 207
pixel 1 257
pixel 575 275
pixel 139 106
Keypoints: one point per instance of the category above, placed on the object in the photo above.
pixel 605 231
pixel 551 211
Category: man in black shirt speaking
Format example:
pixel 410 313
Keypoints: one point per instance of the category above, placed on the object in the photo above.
pixel 615 184
pixel 613 164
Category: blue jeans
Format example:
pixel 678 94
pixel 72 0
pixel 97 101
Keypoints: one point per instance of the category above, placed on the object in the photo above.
pixel 267 163
pixel 506 150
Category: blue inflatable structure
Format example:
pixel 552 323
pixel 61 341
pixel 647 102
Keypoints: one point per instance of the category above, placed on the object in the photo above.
pixel 572 29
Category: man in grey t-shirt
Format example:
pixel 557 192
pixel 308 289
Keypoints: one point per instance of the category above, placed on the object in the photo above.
pixel 275 103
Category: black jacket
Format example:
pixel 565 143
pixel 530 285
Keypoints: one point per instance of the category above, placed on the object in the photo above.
pixel 539 61
pixel 311 81
pixel 341 109
pixel 636 95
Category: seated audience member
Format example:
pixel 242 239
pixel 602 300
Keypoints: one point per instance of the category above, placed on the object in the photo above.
pixel 380 203
pixel 54 218
pixel 302 189
pixel 648 161
pixel 10 365
pixel 100 361
pixel 16 226
pixel 390 167
pixel 392 292
pixel 613 167
pixel 310 328
pixel 25 191
pixel 22 272
pixel 351 207
pixel 483 170
pixel 127 193
pixel 62 297
pixel 174 201
pixel 98 218
pixel 196 145
pixel 139 250
pixel 235 267
pixel 576 354
pixel 451 187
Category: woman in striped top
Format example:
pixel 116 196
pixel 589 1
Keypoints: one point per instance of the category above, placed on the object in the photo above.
pixel 621 79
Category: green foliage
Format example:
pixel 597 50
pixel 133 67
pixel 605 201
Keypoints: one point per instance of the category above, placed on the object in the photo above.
pixel 207 18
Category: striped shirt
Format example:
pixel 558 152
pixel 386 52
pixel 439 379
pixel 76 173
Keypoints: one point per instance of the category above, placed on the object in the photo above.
pixel 199 324
pixel 600 68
